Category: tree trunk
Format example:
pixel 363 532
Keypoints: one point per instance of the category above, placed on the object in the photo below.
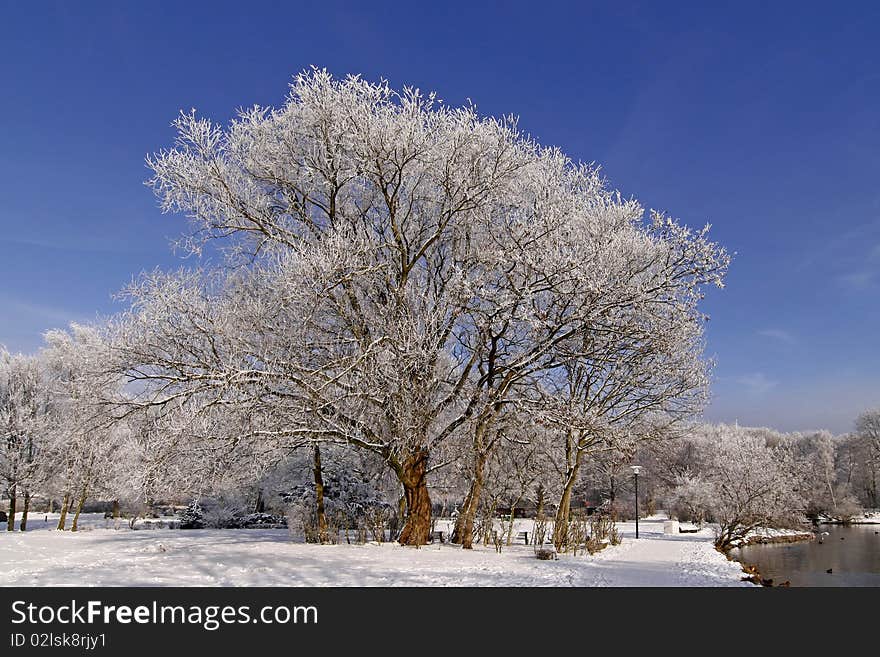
pixel 79 506
pixel 65 505
pixel 488 527
pixel 412 474
pixel 400 519
pixel 464 525
pixel 24 512
pixel 319 499
pixel 10 524
pixel 510 522
pixel 115 508
pixel 560 528
pixel 872 492
pixel 458 529
pixel 27 493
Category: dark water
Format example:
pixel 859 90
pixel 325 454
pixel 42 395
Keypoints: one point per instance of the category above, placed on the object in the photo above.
pixel 852 553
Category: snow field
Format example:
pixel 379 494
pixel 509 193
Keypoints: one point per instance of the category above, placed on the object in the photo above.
pixel 102 556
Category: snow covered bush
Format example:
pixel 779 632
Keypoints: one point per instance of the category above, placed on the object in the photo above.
pixel 220 515
pixel 603 529
pixel 349 503
pixel 193 517
pixel 235 511
pixel 263 520
pixel 546 553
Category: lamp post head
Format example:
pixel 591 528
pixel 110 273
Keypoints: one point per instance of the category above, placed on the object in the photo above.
pixel 637 469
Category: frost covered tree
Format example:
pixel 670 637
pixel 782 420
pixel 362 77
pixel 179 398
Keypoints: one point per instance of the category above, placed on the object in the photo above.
pixel 180 453
pixel 623 355
pixel 679 457
pixel 606 476
pixel 868 426
pixel 155 460
pixel 868 444
pixel 692 498
pixel 24 411
pixel 607 409
pixel 85 431
pixel 825 490
pixel 748 482
pixel 521 467
pixel 402 271
pixel 510 476
pixel 144 473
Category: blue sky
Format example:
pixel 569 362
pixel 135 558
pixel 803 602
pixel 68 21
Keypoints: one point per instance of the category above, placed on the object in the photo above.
pixel 762 120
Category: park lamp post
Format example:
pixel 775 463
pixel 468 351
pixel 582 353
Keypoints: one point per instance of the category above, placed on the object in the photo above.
pixel 636 470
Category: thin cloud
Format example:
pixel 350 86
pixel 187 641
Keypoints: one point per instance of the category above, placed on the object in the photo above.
pixel 756 383
pixel 846 250
pixel 778 334
pixel 50 314
pixel 858 280
pixel 73 244
pixel 864 272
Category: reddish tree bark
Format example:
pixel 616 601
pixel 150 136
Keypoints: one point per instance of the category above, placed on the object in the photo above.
pixel 413 475
pixel 464 525
pixel 65 505
pixel 79 508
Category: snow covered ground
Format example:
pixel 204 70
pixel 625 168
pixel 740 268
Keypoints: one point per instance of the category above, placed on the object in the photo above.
pixel 103 555
pixel 868 517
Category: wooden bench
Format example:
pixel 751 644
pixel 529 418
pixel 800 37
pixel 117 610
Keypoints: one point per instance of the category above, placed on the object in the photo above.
pixel 520 535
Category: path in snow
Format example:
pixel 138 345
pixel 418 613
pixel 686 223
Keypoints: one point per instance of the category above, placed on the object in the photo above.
pixel 657 560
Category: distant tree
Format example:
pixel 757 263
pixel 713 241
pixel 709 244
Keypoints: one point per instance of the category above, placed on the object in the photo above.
pixel 824 486
pixel 24 412
pixel 679 458
pixel 691 498
pixel 85 430
pixel 868 433
pixel 522 467
pixel 607 474
pixel 752 484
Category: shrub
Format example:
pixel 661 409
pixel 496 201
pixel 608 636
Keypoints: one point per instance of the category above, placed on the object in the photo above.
pixel 546 553
pixel 193 517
